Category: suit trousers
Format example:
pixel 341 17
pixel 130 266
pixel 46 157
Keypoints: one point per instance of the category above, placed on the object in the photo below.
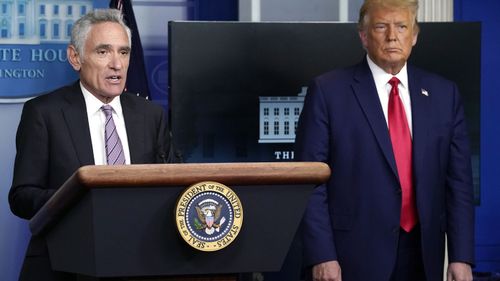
pixel 409 264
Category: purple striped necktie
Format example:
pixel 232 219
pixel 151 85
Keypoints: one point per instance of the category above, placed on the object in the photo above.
pixel 113 145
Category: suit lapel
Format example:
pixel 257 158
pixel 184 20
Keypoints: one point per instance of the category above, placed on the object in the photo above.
pixel 75 116
pixel 420 101
pixel 134 123
pixel 366 94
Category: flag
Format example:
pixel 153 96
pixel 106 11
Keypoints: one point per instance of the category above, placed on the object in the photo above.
pixel 137 78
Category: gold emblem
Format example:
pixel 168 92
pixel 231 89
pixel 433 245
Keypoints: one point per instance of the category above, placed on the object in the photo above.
pixel 209 216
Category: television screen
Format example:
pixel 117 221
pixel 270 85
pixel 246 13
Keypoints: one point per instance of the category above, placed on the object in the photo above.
pixel 237 88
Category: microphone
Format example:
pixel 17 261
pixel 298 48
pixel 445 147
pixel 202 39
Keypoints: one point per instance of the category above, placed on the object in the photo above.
pixel 163 157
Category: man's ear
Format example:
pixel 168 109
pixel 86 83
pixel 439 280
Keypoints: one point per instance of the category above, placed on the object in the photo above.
pixel 363 37
pixel 415 37
pixel 73 57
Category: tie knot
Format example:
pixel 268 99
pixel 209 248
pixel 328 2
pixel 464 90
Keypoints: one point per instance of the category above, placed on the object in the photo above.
pixel 107 109
pixel 394 81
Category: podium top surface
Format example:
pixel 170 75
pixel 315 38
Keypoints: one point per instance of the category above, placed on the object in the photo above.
pixel 165 175
pixel 187 174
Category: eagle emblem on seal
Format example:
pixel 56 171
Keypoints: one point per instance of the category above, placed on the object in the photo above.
pixel 209 216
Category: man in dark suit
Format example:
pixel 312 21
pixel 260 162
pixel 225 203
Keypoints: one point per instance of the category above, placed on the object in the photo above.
pixel 65 129
pixel 396 141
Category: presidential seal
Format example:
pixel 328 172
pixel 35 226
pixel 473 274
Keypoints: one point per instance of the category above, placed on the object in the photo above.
pixel 209 216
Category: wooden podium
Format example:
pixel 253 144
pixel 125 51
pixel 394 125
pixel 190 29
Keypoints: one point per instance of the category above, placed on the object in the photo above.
pixel 118 221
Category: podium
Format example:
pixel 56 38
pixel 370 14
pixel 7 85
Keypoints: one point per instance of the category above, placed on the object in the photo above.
pixel 118 221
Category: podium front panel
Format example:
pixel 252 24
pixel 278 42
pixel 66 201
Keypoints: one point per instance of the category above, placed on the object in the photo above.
pixel 126 232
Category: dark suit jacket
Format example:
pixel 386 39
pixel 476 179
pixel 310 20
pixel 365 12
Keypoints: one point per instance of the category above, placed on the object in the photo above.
pixel 354 218
pixel 53 141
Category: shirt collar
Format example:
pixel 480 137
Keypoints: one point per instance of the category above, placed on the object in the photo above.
pixel 382 78
pixel 94 104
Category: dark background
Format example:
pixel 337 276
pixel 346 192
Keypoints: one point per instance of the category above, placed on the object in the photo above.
pixel 218 70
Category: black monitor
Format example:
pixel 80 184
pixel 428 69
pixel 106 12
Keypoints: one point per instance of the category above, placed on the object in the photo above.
pixel 224 74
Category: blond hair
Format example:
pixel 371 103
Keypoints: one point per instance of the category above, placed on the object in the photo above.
pixel 368 5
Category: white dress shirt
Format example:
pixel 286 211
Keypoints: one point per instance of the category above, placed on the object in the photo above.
pixel 384 88
pixel 97 119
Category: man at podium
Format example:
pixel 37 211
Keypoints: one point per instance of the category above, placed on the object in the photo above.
pixel 396 141
pixel 90 122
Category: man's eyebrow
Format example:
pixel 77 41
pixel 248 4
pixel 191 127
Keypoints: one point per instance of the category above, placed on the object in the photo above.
pixel 103 46
pixel 380 21
pixel 125 48
pixel 109 47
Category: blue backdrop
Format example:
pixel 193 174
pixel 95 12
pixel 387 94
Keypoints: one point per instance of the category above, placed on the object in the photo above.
pixel 487 214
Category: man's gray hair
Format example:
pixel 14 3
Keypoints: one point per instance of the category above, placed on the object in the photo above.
pixel 82 26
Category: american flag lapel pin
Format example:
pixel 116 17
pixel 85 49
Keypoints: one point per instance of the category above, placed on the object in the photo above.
pixel 425 93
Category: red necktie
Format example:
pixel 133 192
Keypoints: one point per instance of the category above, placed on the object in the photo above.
pixel 401 146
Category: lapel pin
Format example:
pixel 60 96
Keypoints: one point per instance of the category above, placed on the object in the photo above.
pixel 425 93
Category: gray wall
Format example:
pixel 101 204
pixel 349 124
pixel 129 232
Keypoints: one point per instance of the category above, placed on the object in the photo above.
pixel 299 10
pixel 306 10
